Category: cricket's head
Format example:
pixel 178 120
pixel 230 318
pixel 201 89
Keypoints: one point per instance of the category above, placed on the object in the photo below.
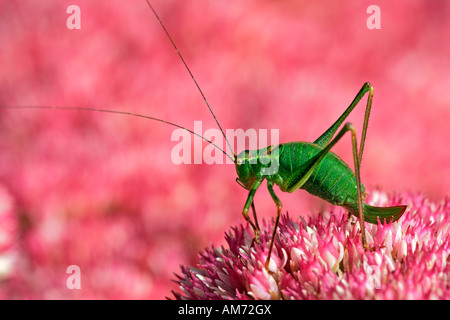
pixel 246 177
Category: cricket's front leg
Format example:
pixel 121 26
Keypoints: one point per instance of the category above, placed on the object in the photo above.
pixel 247 205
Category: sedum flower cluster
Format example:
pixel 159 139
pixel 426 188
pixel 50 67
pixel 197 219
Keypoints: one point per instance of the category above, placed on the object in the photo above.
pixel 322 258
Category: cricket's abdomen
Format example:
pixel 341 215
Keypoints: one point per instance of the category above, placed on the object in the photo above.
pixel 332 180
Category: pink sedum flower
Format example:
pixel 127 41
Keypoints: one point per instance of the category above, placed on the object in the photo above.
pixel 8 236
pixel 323 258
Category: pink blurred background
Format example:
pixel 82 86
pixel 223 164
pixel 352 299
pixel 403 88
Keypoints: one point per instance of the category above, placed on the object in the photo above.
pixel 100 191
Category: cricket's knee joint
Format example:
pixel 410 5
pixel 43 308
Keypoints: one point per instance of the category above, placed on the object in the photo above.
pixel 279 206
pixel 368 85
pixel 349 126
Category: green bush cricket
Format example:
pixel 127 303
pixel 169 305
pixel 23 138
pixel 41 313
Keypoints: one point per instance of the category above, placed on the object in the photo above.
pixel 300 165
pixel 309 166
pixel 316 169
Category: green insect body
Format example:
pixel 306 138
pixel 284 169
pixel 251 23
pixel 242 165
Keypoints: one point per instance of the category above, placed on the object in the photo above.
pixel 332 180
pixel 316 169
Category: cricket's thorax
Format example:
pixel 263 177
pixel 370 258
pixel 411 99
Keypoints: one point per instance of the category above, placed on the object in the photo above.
pixel 332 180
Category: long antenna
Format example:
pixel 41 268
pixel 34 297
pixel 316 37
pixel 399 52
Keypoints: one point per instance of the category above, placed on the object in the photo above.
pixel 192 76
pixel 119 112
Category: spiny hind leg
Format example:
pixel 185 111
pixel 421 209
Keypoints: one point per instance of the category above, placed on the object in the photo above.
pixel 356 161
pixel 365 125
pixel 299 178
pixel 357 154
pixel 328 134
